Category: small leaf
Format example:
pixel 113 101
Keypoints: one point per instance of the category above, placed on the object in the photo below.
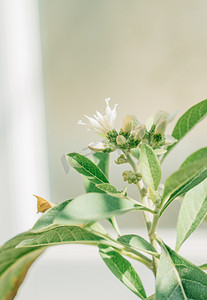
pixel 178 279
pixel 108 188
pixel 94 206
pixel 150 167
pixel 61 235
pixel 203 267
pixel 187 121
pixel 184 179
pixel 43 205
pixel 47 219
pixel 86 167
pixel 139 243
pixel 199 154
pixel 102 161
pixel 192 212
pixel 135 152
pixel 123 270
pixel 14 264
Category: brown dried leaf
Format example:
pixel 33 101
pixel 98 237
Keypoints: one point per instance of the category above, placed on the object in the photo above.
pixel 43 205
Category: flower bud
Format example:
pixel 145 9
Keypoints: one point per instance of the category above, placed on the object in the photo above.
pixel 121 140
pixel 171 117
pixel 97 146
pixel 161 127
pixel 160 116
pixel 121 160
pixel 139 132
pixel 128 123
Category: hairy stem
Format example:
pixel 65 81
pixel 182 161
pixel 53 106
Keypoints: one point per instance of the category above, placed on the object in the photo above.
pixel 150 220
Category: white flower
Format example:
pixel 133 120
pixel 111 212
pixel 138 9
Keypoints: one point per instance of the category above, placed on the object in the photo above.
pixel 102 124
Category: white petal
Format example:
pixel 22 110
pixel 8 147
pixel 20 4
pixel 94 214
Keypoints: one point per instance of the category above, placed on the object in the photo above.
pixel 113 116
pixel 170 140
pixel 97 146
pixel 108 109
pixel 100 117
pixel 160 151
pixel 81 123
pixel 93 122
pixel 172 116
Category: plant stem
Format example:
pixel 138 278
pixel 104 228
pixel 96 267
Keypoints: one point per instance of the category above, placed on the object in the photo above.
pixel 152 237
pixel 140 185
pixel 125 250
pixel 115 225
pixel 151 221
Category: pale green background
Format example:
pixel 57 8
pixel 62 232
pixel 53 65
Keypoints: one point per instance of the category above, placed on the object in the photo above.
pixel 145 55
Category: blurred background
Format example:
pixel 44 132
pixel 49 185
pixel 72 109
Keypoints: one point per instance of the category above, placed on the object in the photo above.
pixel 59 60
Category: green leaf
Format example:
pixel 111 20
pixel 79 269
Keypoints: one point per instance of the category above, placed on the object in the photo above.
pixel 14 264
pixel 62 235
pixel 139 243
pixel 152 297
pixel 203 267
pixel 135 152
pixel 96 228
pixel 94 206
pixel 87 168
pixel 107 188
pixel 123 270
pixel 178 279
pixel 47 219
pixel 102 162
pixel 187 121
pixel 150 167
pixel 197 155
pixel 184 179
pixel 192 212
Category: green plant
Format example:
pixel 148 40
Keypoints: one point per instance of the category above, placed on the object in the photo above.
pixel 142 149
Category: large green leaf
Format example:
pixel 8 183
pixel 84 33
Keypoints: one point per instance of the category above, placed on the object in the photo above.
pixel 123 270
pixel 47 219
pixel 192 212
pixel 14 264
pixel 94 206
pixel 102 162
pixel 184 179
pixel 178 279
pixel 188 120
pixel 62 235
pixel 195 156
pixel 87 168
pixel 150 167
pixel 139 243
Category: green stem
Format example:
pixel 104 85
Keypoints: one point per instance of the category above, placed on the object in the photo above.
pixel 125 250
pixel 141 188
pixel 152 236
pixel 115 225
pixel 151 221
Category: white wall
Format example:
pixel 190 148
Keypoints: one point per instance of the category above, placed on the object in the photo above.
pixel 23 156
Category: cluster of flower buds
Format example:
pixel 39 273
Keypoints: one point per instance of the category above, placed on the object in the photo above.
pixel 132 133
pixel 156 135
pixel 131 177
pixel 129 136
